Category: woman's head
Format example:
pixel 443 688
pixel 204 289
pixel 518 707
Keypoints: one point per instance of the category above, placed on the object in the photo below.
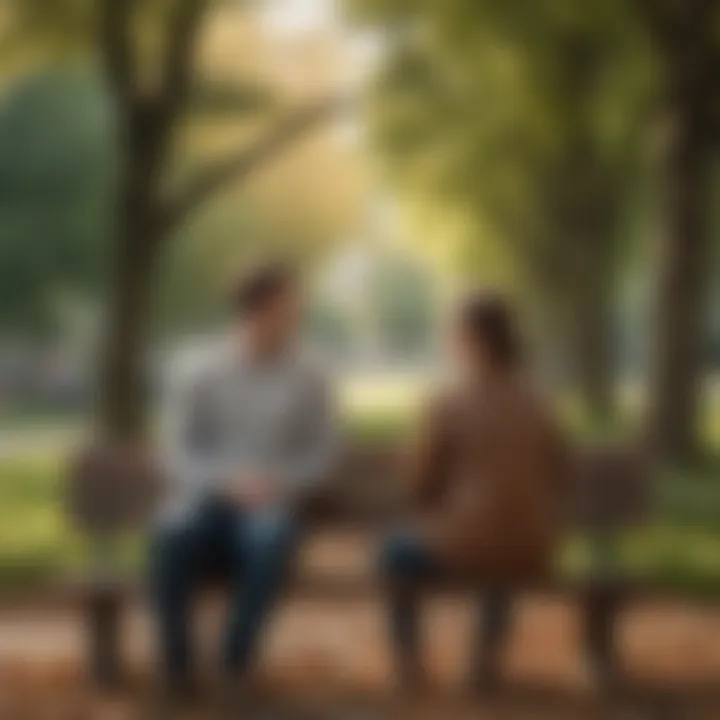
pixel 485 336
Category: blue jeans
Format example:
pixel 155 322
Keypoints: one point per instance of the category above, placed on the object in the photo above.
pixel 408 563
pixel 251 549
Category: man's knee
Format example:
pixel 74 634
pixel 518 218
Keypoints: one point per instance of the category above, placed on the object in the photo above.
pixel 269 537
pixel 171 551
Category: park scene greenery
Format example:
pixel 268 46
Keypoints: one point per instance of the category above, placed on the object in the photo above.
pixel 566 151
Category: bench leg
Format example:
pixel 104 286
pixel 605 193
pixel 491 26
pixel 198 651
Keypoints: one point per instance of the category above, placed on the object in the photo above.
pixel 495 611
pixel 600 622
pixel 104 611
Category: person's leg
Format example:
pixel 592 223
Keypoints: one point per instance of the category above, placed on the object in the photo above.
pixel 405 563
pixel 264 545
pixel 494 620
pixel 177 555
pixel 600 620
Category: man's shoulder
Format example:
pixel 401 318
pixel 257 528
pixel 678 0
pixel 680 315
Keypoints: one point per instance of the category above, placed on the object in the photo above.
pixel 312 371
pixel 311 363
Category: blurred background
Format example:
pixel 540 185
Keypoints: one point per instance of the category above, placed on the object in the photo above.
pixel 401 151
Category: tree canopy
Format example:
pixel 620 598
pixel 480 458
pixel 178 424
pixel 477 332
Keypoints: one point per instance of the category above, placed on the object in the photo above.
pixel 56 177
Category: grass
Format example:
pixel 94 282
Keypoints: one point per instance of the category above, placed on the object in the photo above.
pixel 36 540
pixel 681 547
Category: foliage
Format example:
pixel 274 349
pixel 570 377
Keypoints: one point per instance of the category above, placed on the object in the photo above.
pixel 56 179
pixel 148 57
pixel 530 125
pixel 496 109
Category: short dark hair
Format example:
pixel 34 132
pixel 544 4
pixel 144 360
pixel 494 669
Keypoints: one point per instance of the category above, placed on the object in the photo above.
pixel 259 286
pixel 489 320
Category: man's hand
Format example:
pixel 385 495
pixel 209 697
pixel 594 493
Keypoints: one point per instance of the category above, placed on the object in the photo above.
pixel 252 491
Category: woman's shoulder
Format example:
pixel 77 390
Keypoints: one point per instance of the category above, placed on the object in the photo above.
pixel 439 404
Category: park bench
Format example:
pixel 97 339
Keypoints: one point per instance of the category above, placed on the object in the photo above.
pixel 610 494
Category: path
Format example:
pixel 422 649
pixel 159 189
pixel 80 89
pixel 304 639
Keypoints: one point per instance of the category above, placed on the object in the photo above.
pixel 341 649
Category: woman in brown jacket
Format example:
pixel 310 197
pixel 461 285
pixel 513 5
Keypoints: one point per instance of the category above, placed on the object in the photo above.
pixel 488 477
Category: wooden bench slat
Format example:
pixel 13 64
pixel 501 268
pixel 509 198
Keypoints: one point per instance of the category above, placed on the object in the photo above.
pixel 114 490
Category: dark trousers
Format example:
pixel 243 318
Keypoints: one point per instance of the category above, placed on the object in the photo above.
pixel 252 550
pixel 406 563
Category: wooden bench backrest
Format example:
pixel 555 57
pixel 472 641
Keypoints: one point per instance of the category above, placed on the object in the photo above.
pixel 113 490
pixel 610 487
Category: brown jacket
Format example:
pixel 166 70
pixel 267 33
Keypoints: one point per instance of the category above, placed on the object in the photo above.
pixel 489 473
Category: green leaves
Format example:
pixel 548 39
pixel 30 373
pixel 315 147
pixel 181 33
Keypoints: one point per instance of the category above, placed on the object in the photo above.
pixel 56 177
pixel 500 105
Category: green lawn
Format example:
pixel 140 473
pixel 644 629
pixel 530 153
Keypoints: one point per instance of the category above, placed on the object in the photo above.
pixel 681 545
pixel 35 538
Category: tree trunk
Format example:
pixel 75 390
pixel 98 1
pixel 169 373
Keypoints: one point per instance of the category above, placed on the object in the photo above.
pixel 587 271
pixel 673 422
pixel 676 376
pixel 578 292
pixel 121 412
pixel 592 332
pixel 586 205
pixel 123 372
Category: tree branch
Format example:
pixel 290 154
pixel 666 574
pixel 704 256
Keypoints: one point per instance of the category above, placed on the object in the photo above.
pixel 152 118
pixel 670 23
pixel 184 31
pixel 114 46
pixel 240 166
pixel 659 19
pixel 715 110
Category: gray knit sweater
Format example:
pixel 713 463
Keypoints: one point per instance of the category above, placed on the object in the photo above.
pixel 226 415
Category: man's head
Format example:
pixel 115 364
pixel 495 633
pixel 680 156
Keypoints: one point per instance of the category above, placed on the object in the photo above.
pixel 267 302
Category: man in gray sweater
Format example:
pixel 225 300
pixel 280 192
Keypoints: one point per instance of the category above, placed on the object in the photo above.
pixel 249 431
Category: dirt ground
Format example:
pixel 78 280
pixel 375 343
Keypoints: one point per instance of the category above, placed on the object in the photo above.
pixel 330 660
